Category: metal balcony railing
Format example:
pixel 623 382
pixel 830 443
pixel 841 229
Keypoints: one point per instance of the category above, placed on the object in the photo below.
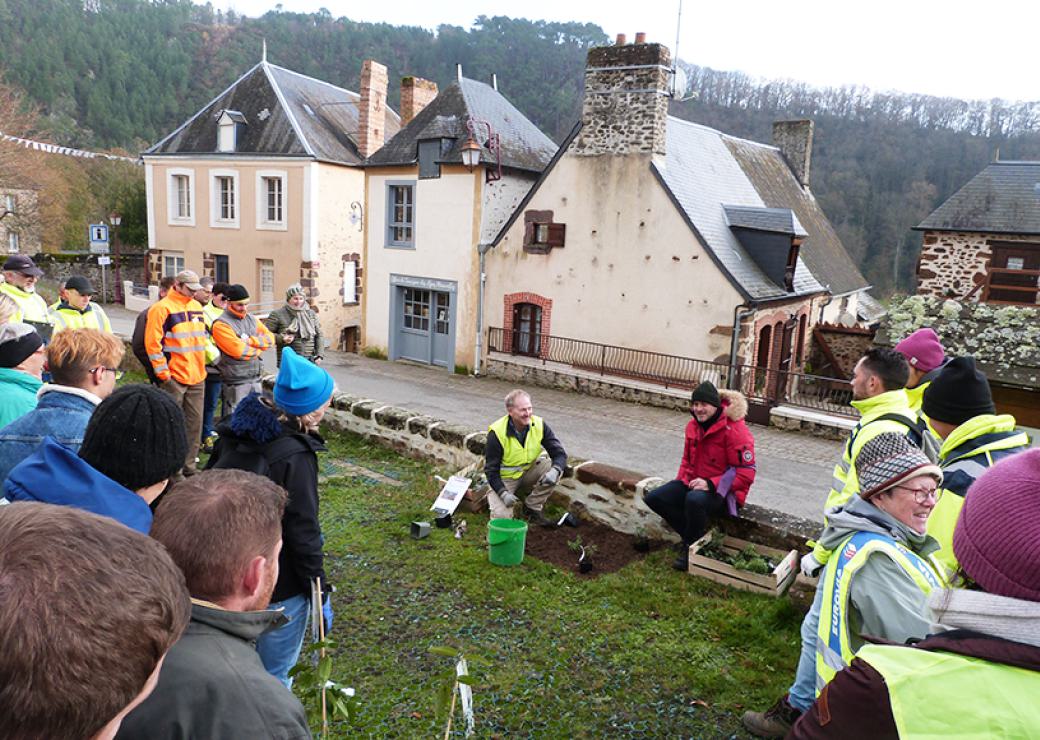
pixel 762 385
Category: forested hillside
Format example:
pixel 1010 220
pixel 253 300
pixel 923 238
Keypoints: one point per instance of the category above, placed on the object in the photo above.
pixel 122 73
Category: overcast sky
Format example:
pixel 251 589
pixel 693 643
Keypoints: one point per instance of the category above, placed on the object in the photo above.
pixel 949 48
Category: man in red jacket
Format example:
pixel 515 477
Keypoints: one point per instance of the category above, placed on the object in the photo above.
pixel 717 468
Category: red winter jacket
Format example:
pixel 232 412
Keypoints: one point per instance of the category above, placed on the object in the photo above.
pixel 727 444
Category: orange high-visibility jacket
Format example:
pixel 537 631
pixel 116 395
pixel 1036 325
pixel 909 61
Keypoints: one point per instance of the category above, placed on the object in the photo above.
pixel 175 339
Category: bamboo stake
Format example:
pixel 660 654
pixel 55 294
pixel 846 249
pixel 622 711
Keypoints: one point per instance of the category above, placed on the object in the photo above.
pixel 451 711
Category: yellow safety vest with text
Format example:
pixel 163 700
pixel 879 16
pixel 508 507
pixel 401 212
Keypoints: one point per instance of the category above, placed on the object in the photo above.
pixel 845 478
pixel 833 639
pixel 937 694
pixel 517 458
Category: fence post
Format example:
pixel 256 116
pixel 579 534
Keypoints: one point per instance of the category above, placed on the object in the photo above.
pixel 603 359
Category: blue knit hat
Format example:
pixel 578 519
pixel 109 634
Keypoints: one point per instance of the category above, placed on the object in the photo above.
pixel 301 386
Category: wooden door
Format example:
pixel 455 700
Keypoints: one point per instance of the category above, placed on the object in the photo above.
pixel 1014 272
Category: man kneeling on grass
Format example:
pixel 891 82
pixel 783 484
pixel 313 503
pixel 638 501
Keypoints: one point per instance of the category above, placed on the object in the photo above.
pixel 523 458
pixel 223 528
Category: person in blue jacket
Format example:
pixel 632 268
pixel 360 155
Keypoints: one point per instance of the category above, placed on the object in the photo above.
pixel 84 367
pixel 134 443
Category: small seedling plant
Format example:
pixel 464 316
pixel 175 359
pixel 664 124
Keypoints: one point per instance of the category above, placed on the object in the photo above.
pixel 747 559
pixel 323 697
pixel 585 550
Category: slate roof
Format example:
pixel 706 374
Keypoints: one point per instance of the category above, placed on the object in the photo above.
pixel 286 114
pixel 1004 199
pixel 822 250
pixel 703 176
pixel 774 220
pixel 524 146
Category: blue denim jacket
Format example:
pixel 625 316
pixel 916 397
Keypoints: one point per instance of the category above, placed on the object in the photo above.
pixel 60 413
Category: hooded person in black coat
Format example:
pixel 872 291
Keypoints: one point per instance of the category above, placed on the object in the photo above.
pixel 279 439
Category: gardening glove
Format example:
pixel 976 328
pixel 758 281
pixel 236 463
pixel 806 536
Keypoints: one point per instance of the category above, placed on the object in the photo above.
pixel 552 477
pixel 508 499
pixel 810 565
pixel 326 613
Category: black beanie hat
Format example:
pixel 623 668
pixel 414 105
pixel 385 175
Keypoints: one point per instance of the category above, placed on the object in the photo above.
pixel 958 393
pixel 136 437
pixel 707 393
pixel 236 293
pixel 18 342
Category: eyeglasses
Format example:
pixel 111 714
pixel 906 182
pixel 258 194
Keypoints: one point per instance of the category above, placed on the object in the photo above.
pixel 921 495
pixel 114 370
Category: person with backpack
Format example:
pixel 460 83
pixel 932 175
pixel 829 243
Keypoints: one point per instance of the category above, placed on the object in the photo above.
pixel 879 394
pixel 278 438
pixel 959 405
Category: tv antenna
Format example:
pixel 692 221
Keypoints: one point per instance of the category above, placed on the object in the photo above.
pixel 680 87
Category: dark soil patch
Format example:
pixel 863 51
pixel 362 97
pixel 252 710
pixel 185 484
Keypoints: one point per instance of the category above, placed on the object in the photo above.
pixel 614 551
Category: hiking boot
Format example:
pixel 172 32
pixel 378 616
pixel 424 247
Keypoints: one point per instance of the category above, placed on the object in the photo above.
pixel 774 722
pixel 537 517
pixel 682 563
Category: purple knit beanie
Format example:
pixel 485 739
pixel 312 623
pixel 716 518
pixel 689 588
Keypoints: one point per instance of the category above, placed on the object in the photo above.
pixel 922 350
pixel 997 539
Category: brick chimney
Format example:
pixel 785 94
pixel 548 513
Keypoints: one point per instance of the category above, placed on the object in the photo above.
pixel 625 108
pixel 372 108
pixel 416 94
pixel 794 140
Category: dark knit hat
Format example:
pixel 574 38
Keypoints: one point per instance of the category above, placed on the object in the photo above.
pixel 997 539
pixel 958 393
pixel 889 460
pixel 236 293
pixel 136 437
pixel 707 393
pixel 17 342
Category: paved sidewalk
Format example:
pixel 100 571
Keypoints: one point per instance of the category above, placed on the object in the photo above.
pixel 794 470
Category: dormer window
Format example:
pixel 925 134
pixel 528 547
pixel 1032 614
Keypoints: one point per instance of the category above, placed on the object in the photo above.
pixel 792 263
pixel 230 128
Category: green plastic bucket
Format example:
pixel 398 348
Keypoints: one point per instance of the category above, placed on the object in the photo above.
pixel 506 538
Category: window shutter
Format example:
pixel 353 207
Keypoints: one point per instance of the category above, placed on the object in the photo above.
pixel 557 234
pixel 350 282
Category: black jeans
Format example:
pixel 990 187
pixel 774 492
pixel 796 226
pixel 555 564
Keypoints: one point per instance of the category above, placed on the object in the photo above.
pixel 686 510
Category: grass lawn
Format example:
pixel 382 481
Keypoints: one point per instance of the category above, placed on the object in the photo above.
pixel 642 653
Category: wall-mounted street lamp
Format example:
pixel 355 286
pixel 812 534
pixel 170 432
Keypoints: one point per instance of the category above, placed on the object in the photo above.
pixel 115 219
pixel 472 150
pixel 357 215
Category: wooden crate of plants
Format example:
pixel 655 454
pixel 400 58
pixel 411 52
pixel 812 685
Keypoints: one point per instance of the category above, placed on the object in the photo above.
pixel 775 583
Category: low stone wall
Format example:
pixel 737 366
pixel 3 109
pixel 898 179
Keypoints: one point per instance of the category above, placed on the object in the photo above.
pixel 568 379
pixel 58 267
pixel 598 491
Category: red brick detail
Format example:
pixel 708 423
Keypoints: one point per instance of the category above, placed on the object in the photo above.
pixel 511 299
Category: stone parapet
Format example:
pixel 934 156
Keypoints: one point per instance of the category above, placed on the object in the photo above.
pixel 595 490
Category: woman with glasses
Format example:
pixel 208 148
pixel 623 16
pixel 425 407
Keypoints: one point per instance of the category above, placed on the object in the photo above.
pixel 877 581
pixel 977 674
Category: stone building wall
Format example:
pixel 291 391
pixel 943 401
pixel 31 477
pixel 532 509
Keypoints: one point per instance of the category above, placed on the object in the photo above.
pixel 59 267
pixel 625 106
pixel 952 264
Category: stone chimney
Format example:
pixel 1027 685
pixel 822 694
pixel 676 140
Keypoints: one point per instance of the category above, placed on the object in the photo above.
pixel 625 109
pixel 416 94
pixel 794 140
pixel 372 108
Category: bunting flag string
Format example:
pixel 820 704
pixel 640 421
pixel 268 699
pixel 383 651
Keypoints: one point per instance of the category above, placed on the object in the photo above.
pixel 43 146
